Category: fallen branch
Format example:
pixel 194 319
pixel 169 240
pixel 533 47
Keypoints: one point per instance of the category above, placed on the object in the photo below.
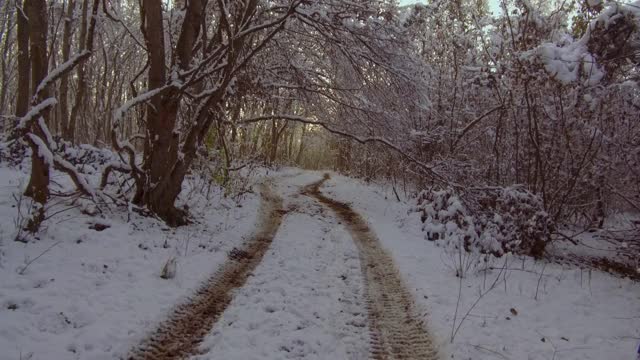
pixel 566 237
pixel 115 166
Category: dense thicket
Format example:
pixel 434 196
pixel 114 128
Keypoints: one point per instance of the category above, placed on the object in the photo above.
pixel 543 96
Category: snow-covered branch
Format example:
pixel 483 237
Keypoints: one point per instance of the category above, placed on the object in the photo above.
pixel 59 71
pixel 119 113
pixel 473 123
pixel 34 113
pixel 362 140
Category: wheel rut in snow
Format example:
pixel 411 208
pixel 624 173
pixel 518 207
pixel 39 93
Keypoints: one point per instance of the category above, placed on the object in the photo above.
pixel 179 336
pixel 395 332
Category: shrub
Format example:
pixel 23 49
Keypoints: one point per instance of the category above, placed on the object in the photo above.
pixel 490 221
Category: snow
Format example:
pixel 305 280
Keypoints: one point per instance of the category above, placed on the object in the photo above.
pixel 35 111
pixel 47 134
pixel 61 70
pixel 613 11
pixel 568 64
pixel 596 313
pixel 608 242
pixel 84 184
pixel 305 299
pixel 572 62
pixel 119 113
pixel 96 294
pixel 43 151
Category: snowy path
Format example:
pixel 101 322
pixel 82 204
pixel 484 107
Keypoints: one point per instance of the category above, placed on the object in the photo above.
pixel 189 323
pixel 577 315
pixel 396 331
pixel 304 301
pixel 96 295
pixel 308 299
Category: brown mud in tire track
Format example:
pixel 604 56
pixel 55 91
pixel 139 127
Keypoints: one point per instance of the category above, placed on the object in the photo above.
pixel 179 336
pixel 396 333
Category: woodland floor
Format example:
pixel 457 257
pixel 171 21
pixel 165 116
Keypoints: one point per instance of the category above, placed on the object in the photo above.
pixel 312 268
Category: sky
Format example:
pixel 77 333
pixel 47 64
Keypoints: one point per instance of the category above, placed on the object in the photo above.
pixel 493 4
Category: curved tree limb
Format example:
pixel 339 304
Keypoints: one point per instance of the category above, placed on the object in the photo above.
pixel 362 140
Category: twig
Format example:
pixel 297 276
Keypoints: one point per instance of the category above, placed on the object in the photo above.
pixel 482 294
pixel 21 272
pixel 511 269
pixel 480 347
pixel 569 238
pixel 539 280
pixel 455 314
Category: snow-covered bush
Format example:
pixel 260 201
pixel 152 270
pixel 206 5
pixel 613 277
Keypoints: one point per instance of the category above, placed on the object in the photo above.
pixel 614 38
pixel 488 221
pixel 11 152
pixel 445 218
pixel 88 158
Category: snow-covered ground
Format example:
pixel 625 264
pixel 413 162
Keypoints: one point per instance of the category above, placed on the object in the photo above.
pixel 95 294
pixel 305 300
pixel 616 241
pixel 577 315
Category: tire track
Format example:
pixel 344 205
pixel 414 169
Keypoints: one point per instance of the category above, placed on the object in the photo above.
pixel 179 336
pixel 395 333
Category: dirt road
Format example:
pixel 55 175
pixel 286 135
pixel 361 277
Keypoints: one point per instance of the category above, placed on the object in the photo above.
pixel 396 333
pixel 179 336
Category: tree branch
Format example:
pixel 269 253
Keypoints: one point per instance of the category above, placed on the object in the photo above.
pixel 362 140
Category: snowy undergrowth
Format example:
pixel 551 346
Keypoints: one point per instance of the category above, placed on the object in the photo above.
pixel 494 221
pixel 305 299
pixel 95 294
pixel 618 241
pixel 558 313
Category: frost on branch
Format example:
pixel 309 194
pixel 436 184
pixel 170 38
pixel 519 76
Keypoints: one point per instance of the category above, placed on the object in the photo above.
pixel 611 41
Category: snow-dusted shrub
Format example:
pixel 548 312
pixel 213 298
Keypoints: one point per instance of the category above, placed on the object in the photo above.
pixel 88 158
pixel 11 152
pixel 519 218
pixel 489 221
pixel 444 217
pixel 614 38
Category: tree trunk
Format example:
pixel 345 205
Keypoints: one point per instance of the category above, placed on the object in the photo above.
pixel 38 187
pixel 70 132
pixel 161 116
pixel 301 151
pixel 6 44
pixel 162 144
pixel 37 14
pixel 273 147
pixel 24 66
pixel 64 82
pixel 291 134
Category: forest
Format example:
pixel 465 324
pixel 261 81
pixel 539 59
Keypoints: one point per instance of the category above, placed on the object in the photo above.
pixel 509 134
